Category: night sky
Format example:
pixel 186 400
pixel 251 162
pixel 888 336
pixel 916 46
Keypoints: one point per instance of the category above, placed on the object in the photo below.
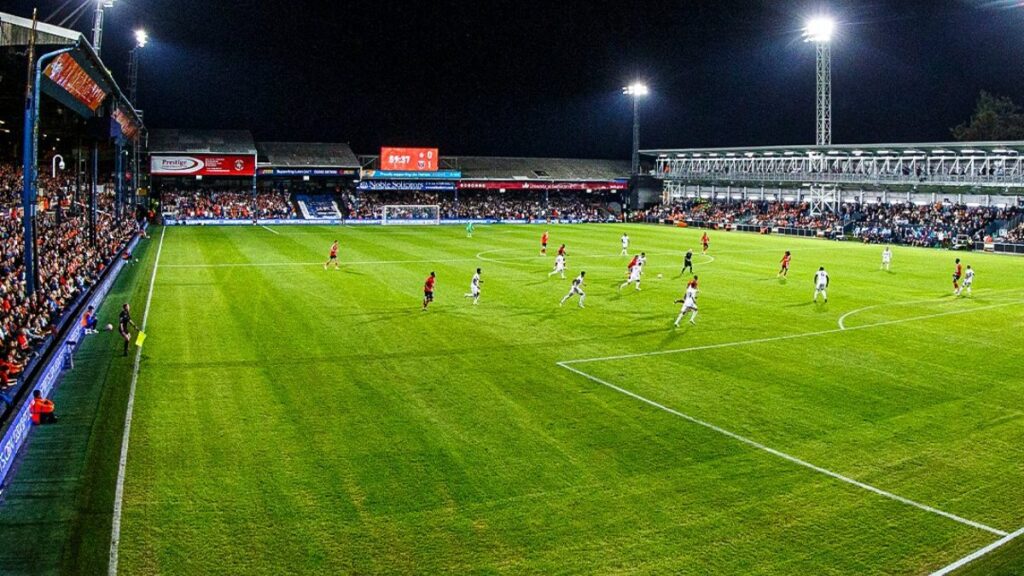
pixel 543 79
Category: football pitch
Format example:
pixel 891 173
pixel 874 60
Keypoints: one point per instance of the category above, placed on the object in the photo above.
pixel 288 419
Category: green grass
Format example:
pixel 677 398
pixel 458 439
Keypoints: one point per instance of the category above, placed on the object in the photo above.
pixel 294 420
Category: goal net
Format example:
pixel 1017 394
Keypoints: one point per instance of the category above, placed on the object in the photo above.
pixel 410 214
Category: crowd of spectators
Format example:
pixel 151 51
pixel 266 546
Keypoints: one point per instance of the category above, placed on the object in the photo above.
pixel 1015 235
pixel 486 204
pixel 68 265
pixel 931 225
pixel 227 205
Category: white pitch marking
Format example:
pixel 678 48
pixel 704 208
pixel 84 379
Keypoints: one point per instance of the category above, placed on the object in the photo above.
pixel 122 465
pixel 787 336
pixel 977 554
pixel 785 456
pixel 842 319
pixel 268 229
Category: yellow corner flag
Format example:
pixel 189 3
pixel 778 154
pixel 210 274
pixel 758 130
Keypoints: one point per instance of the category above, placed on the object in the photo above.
pixel 140 338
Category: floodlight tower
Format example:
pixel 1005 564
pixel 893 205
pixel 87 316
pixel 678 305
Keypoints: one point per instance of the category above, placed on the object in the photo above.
pixel 141 38
pixel 637 90
pixel 97 23
pixel 819 31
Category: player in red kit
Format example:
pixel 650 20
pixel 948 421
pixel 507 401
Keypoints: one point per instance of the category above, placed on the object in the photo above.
pixel 428 290
pixel 333 258
pixel 692 284
pixel 784 270
pixel 704 241
pixel 561 251
pixel 633 262
pixel 957 273
pixel 544 243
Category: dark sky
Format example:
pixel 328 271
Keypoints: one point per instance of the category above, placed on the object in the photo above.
pixel 497 77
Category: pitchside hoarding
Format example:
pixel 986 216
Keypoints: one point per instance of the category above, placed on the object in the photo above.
pixel 408 159
pixel 202 165
pixel 519 185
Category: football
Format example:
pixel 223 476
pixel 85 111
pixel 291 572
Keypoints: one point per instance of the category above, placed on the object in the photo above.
pixel 110 327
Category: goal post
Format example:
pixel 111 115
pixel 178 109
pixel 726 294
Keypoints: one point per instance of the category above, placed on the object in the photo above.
pixel 410 214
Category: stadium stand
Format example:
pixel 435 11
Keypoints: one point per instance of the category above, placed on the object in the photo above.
pixel 307 155
pixel 201 141
pixel 226 205
pixel 69 265
pixel 541 169
pixel 930 225
pixel 489 204
pixel 317 207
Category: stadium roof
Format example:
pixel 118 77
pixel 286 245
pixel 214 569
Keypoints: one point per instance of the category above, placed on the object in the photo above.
pixel 933 148
pixel 306 155
pixel 17 31
pixel 201 142
pixel 563 169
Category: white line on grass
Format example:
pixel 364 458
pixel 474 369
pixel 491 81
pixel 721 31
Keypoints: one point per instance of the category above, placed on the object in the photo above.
pixel 785 456
pixel 842 319
pixel 115 528
pixel 977 554
pixel 268 229
pixel 787 336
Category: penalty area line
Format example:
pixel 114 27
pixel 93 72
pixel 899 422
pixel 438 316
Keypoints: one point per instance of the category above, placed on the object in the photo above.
pixel 122 465
pixel 977 554
pixel 785 456
pixel 787 336
pixel 269 229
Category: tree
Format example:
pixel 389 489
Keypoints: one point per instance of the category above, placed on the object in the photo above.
pixel 996 118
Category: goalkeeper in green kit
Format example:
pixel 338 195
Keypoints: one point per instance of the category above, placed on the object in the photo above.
pixel 469 230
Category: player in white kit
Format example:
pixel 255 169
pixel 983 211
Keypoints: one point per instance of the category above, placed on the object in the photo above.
pixel 577 289
pixel 474 288
pixel 625 245
pixel 968 279
pixel 559 267
pixel 820 283
pixel 689 303
pixel 886 258
pixel 634 276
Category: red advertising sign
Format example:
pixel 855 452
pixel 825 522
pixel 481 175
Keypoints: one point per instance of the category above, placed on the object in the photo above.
pixel 408 159
pixel 66 73
pixel 128 126
pixel 203 165
pixel 521 185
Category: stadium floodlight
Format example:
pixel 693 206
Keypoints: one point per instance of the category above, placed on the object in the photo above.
pixel 97 24
pixel 819 31
pixel 636 90
pixel 141 38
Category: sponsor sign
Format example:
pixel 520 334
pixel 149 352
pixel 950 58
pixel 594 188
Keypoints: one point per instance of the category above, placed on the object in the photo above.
pixel 406 185
pixel 305 172
pixel 541 185
pixel 404 175
pixel 169 221
pixel 68 74
pixel 203 165
pixel 408 159
pixel 128 126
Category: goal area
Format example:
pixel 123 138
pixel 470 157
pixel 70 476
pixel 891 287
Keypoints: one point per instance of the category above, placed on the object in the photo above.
pixel 410 214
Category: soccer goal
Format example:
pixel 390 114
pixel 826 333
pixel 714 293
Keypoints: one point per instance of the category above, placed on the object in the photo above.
pixel 410 214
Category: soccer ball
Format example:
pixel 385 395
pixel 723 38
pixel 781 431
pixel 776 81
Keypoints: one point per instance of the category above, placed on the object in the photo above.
pixel 661 275
pixel 110 327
